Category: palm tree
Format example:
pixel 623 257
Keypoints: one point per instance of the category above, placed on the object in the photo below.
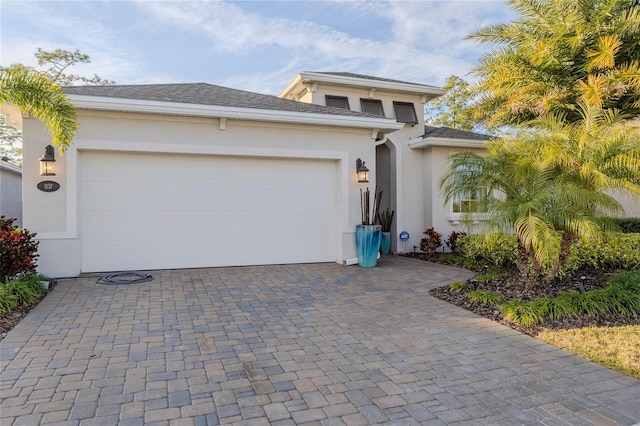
pixel 552 183
pixel 36 94
pixel 557 53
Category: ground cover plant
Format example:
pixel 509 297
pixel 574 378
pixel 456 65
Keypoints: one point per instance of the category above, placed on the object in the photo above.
pixel 20 287
pixel 595 294
pixel 18 296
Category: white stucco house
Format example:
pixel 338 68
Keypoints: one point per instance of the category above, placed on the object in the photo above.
pixel 11 191
pixel 197 175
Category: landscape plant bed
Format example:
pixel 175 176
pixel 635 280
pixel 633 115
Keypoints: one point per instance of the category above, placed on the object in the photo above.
pixel 509 287
pixel 10 320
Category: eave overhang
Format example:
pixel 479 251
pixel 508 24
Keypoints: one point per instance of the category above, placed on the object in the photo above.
pixel 446 142
pixel 216 111
pixel 427 92
pixel 5 165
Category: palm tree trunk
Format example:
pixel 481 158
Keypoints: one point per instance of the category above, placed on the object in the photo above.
pixel 565 248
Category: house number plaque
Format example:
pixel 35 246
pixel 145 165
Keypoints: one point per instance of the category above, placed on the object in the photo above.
pixel 48 186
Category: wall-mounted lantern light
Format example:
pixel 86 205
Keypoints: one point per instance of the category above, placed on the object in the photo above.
pixel 363 172
pixel 47 162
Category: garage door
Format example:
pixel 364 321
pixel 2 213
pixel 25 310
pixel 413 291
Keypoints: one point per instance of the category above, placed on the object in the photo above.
pixel 162 211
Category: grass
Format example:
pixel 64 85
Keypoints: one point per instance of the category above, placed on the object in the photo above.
pixel 614 347
pixel 22 290
pixel 485 297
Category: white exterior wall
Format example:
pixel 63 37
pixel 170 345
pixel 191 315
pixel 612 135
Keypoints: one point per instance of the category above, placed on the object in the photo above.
pixel 409 190
pixel 11 192
pixel 630 203
pixel 54 215
pixel 439 214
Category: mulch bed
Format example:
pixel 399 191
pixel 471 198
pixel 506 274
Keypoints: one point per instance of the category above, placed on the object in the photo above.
pixel 8 321
pixel 509 287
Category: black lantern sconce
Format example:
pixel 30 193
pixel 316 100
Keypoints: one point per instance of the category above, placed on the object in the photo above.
pixel 47 162
pixel 363 172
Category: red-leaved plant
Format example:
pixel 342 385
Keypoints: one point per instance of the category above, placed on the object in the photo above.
pixel 431 242
pixel 18 250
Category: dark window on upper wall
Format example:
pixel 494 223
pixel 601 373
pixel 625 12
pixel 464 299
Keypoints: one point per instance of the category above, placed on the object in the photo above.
pixel 372 106
pixel 337 101
pixel 405 112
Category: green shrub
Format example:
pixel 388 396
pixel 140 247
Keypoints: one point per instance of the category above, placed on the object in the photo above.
pixel 621 296
pixel 627 279
pixel 24 294
pixel 7 300
pixel 623 293
pixel 554 309
pixel 500 249
pixel 521 312
pixel 22 290
pixel 474 264
pixel 485 297
pixel 590 303
pixel 612 251
pixel 628 225
pixel 491 273
pixel 623 301
pixel 458 286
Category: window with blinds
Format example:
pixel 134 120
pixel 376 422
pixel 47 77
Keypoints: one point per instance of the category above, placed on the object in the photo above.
pixel 372 106
pixel 405 112
pixel 337 101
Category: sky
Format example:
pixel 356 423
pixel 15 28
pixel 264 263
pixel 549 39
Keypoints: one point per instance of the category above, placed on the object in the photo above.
pixel 258 46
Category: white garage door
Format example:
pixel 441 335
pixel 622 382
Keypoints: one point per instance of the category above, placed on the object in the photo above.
pixel 160 211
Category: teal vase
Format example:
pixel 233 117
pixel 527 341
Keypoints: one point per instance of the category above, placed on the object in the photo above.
pixel 368 239
pixel 385 243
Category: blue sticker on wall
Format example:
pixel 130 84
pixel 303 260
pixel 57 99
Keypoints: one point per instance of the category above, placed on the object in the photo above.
pixel 404 236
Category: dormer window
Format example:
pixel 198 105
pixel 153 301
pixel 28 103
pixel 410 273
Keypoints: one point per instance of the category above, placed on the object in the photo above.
pixel 372 106
pixel 337 101
pixel 405 112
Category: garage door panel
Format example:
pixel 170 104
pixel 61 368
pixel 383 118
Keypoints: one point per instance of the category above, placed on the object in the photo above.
pixel 100 196
pixel 171 170
pixel 129 227
pixel 204 211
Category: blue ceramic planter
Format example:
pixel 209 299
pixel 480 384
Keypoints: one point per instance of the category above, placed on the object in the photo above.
pixel 385 244
pixel 368 244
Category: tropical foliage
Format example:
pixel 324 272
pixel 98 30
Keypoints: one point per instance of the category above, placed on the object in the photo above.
pixel 52 65
pixel 613 250
pixel 36 94
pixel 21 290
pixel 18 250
pixel 454 108
pixel 558 54
pixel 550 184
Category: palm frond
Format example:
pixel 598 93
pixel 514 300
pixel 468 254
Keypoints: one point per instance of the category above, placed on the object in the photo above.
pixel 36 94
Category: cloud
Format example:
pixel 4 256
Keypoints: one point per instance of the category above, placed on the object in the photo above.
pixel 426 42
pixel 109 54
pixel 258 46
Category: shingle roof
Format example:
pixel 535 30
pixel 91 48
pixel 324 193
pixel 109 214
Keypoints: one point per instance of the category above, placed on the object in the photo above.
pixel 206 94
pixel 370 77
pixel 449 133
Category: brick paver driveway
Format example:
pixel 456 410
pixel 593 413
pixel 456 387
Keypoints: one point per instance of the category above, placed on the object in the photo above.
pixel 288 345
